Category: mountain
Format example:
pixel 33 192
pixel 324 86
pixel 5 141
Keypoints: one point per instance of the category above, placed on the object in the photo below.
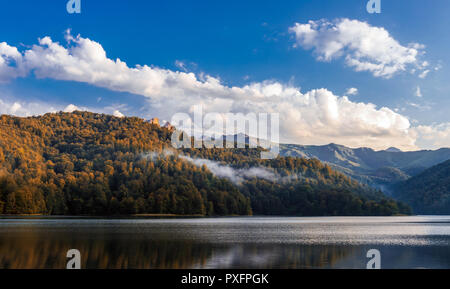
pixel 393 150
pixel 428 192
pixel 377 168
pixel 84 163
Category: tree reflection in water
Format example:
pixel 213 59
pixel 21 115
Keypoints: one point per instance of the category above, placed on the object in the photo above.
pixel 267 243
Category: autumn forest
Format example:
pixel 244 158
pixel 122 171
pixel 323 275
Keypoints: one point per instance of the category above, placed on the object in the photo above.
pixel 84 163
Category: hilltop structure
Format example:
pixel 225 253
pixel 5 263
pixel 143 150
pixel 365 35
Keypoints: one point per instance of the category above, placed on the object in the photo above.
pixel 154 121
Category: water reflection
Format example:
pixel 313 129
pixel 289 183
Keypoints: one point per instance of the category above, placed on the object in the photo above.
pixel 407 242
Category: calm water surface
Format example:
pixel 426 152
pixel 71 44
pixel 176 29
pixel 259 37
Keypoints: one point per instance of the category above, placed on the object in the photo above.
pixel 249 242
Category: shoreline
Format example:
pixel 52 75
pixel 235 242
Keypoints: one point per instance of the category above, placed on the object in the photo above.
pixel 189 216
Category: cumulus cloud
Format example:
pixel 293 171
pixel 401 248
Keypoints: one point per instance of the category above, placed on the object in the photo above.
pixel 71 108
pixel 117 113
pixel 13 106
pixel 10 62
pixel 433 136
pixel 364 47
pixel 314 117
pixel 352 91
pixel 324 117
pixel 21 108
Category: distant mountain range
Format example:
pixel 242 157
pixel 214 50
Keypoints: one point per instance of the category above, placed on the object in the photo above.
pixel 376 168
pixel 380 169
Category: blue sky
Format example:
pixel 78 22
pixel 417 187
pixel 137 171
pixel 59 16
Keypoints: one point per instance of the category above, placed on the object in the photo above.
pixel 240 43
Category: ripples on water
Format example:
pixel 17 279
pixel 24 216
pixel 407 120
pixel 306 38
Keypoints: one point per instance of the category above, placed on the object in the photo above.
pixel 250 242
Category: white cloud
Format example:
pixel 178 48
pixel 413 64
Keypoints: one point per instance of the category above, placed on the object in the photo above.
pixel 433 136
pixel 325 117
pixel 25 109
pixel 364 47
pixel 413 104
pixel 315 117
pixel 71 108
pixel 352 91
pixel 117 113
pixel 424 74
pixel 181 65
pixel 21 108
pixel 418 92
pixel 12 106
pixel 10 62
pixel 15 107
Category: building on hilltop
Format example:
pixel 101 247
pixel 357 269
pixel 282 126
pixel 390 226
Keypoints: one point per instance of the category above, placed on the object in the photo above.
pixel 154 121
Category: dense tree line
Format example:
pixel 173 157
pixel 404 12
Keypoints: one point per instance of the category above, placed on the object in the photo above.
pixel 428 192
pixel 84 163
pixel 303 187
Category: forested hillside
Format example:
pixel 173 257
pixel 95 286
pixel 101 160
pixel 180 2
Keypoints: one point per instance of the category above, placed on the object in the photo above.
pixel 428 192
pixel 302 187
pixel 84 163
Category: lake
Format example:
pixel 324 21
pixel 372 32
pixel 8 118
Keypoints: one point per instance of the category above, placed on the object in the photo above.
pixel 226 243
